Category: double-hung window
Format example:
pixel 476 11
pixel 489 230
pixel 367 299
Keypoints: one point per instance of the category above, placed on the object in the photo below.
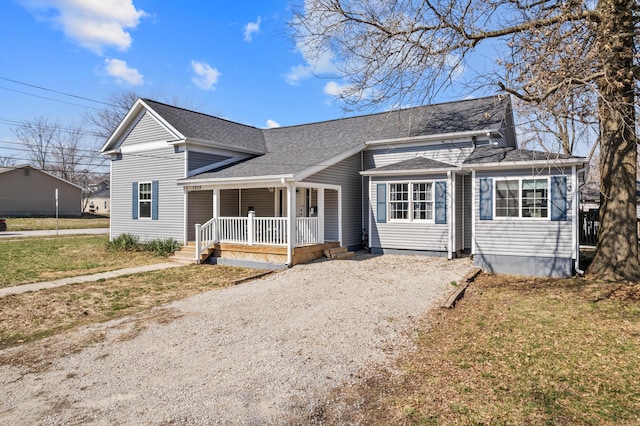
pixel 522 198
pixel 422 201
pixel 144 199
pixel 411 201
pixel 399 200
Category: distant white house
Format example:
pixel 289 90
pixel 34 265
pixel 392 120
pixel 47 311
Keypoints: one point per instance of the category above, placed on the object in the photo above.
pixel 97 197
pixel 27 191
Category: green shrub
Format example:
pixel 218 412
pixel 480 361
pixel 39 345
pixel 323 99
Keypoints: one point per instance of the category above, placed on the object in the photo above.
pixel 125 242
pixel 162 247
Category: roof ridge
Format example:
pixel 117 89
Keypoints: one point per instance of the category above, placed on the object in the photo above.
pixel 497 96
pixel 200 113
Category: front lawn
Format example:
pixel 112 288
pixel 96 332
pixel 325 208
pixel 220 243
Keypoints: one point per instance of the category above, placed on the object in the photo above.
pixel 45 223
pixel 30 260
pixel 33 315
pixel 514 351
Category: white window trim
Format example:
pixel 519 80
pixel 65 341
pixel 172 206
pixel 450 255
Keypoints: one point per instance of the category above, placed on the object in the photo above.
pixel 140 217
pixel 520 179
pixel 410 184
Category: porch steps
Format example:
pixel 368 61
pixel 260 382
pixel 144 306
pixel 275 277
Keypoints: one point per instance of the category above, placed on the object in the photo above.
pixel 338 253
pixel 187 255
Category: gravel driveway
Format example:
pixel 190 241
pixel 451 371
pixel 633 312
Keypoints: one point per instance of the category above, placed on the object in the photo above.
pixel 255 353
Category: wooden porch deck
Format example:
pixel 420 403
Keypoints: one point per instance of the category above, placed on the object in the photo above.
pixel 271 254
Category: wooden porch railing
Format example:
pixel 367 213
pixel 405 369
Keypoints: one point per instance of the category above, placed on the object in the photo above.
pixel 307 230
pixel 253 230
pixel 205 237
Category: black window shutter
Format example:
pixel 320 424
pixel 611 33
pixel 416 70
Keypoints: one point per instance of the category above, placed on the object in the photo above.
pixel 154 200
pixel 134 198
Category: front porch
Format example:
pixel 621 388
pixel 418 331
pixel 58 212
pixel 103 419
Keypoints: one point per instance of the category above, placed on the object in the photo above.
pixel 304 220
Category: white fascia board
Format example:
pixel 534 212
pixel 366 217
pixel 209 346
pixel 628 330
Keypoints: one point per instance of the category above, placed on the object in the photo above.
pixel 310 171
pixel 125 125
pixel 565 162
pixel 236 180
pixel 142 147
pixel 409 172
pixel 219 145
pixel 213 166
pixel 435 138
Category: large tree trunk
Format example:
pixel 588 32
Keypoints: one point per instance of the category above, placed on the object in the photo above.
pixel 616 256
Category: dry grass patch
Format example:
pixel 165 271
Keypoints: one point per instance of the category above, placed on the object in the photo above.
pixel 513 351
pixel 45 223
pixel 33 315
pixel 30 260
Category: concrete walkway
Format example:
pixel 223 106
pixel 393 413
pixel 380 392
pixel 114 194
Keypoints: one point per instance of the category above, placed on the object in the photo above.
pixel 85 278
pixel 52 232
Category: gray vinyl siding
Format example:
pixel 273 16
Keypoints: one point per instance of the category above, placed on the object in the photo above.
pixel 147 129
pixel 346 174
pixel 163 165
pixel 468 211
pixel 331 216
pixel 450 153
pixel 200 210
pixel 196 160
pixel 262 201
pixel 229 203
pixel 406 235
pixel 524 237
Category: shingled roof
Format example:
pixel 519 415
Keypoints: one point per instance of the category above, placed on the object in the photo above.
pixel 290 150
pixel 414 164
pixel 498 154
pixel 205 127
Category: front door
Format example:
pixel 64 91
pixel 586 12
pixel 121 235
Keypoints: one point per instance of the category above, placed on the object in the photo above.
pixel 301 202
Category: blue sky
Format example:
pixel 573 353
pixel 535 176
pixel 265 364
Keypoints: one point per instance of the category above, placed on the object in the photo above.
pixel 234 60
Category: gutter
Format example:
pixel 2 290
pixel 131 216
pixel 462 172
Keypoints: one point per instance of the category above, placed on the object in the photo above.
pixel 576 210
pixel 435 138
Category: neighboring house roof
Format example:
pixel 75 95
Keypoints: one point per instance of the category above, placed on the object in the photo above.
pixel 297 151
pixel 489 155
pixel 414 165
pixel 27 166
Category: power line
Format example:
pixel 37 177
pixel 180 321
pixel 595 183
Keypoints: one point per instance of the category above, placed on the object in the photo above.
pixel 57 91
pixel 47 98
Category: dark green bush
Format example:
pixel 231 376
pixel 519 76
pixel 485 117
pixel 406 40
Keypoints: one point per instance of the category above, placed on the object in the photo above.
pixel 162 247
pixel 129 242
pixel 125 242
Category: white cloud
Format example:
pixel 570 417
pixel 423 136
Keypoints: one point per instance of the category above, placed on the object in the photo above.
pixel 119 69
pixel 205 77
pixel 315 64
pixel 334 89
pixel 92 24
pixel 251 28
pixel 272 124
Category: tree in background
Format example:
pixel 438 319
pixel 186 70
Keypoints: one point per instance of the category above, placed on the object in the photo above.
pixel 577 54
pixel 65 151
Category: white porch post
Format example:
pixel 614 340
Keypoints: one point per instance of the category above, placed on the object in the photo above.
pixel 321 215
pixel 250 226
pixel 291 223
pixel 216 212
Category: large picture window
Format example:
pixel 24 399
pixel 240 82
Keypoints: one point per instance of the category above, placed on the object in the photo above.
pixel 522 198
pixel 144 199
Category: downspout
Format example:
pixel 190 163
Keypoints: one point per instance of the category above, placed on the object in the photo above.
pixel 449 210
pixel 576 217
